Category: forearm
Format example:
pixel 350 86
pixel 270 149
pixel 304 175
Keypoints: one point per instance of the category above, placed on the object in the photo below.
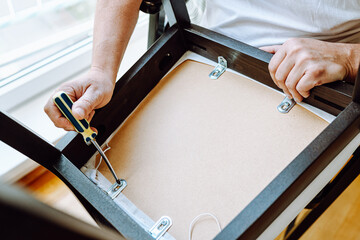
pixel 114 24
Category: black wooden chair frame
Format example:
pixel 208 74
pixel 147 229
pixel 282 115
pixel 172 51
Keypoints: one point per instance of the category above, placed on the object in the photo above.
pixel 70 154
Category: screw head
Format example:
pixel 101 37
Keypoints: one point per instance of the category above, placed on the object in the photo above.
pixel 116 188
pixel 163 224
pixel 285 106
pixel 215 72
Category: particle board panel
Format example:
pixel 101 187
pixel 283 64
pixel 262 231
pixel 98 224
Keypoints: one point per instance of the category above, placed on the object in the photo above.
pixel 198 145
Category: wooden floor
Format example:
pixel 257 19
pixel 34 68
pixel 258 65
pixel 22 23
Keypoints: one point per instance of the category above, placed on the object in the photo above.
pixel 340 221
pixel 46 187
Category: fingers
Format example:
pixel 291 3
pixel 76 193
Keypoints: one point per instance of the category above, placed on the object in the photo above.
pixel 85 105
pixel 56 116
pixel 292 80
pixel 94 129
pixel 279 68
pixel 59 120
pixel 287 70
pixel 88 92
pixel 275 60
pixel 281 74
pixel 271 49
pixel 86 110
pixel 288 75
pixel 299 83
pixel 91 115
pixel 305 85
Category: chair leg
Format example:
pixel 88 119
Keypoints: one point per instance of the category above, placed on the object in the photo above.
pixel 344 178
pixel 156 26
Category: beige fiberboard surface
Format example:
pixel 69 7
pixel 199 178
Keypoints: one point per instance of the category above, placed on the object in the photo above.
pixel 198 145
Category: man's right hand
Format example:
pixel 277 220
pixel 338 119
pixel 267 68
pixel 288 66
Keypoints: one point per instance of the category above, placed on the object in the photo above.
pixel 89 92
pixel 113 25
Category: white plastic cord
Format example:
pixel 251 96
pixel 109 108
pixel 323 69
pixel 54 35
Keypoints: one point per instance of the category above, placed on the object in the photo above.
pixel 107 148
pixel 93 173
pixel 192 224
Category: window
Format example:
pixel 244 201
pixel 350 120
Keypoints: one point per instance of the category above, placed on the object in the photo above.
pixel 34 34
pixel 43 43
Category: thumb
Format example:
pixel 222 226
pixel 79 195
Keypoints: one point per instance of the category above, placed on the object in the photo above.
pixel 271 49
pixel 85 104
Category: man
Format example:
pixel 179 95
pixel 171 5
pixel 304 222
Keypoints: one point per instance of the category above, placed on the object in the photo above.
pixel 283 27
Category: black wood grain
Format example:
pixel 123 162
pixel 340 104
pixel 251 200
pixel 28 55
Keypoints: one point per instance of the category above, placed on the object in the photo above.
pixel 273 200
pixel 240 57
pixel 98 203
pixel 253 62
pixel 333 190
pixel 23 217
pixel 24 140
pixel 133 87
pixel 130 90
pixel 249 61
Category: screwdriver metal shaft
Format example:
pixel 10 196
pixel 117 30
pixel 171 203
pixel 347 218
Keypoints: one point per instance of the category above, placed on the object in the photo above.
pixel 64 103
pixel 106 160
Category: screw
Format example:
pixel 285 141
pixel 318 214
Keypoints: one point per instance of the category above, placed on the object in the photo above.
pixel 116 188
pixel 285 106
pixel 163 224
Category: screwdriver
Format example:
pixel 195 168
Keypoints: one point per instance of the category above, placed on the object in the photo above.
pixel 64 103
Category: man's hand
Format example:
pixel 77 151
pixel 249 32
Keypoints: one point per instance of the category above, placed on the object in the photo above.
pixel 92 91
pixel 301 64
pixel 113 25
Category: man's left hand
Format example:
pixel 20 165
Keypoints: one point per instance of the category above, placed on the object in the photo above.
pixel 301 64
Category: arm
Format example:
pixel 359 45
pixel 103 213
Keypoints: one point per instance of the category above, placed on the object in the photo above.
pixel 301 64
pixel 113 26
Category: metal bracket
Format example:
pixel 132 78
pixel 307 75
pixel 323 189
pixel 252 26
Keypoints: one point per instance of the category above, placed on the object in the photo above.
pixel 286 105
pixel 219 69
pixel 117 188
pixel 160 227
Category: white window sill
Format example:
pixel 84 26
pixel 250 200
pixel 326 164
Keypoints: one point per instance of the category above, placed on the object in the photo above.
pixel 14 165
